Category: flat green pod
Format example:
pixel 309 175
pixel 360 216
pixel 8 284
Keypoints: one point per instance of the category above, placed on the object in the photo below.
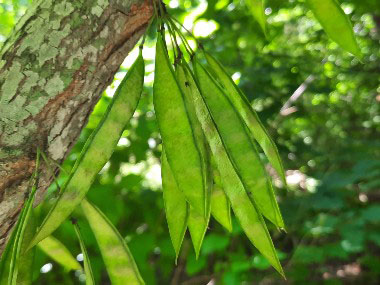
pixel 249 115
pixel 239 146
pixel 22 236
pixel 247 213
pixel 257 9
pixel 57 251
pixel 9 265
pixel 336 24
pixel 86 259
pixel 175 128
pixel 97 150
pixel 176 208
pixel 220 205
pixel 197 227
pixel 197 223
pixel 217 201
pixel 199 137
pixel 119 262
pixel 26 259
pixel 25 264
pixel 6 257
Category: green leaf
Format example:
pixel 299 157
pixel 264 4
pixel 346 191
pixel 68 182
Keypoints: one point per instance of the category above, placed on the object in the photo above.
pixel 176 208
pixel 260 262
pixel 335 250
pixel 372 214
pixel 194 265
pixel 257 9
pixel 119 262
pixel 86 259
pixel 97 150
pixel 176 131
pixel 59 253
pixel 374 237
pixel 336 24
pixel 239 146
pixel 309 254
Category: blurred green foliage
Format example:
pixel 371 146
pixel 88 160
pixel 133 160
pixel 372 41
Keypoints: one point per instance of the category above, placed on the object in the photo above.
pixel 328 138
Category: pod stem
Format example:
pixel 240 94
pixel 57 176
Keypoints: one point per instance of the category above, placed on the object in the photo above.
pixel 188 48
pixel 36 174
pixel 189 32
pixel 176 48
pixel 157 15
pixel 155 9
pixel 147 30
pixel 35 177
pixel 48 165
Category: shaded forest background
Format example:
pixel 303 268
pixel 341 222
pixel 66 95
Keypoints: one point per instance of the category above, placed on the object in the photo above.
pixel 321 106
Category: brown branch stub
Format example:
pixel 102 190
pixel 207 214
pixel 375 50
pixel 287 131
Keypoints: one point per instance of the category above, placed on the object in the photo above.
pixel 53 70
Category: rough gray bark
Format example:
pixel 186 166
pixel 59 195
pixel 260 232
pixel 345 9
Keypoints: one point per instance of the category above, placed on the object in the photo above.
pixel 53 69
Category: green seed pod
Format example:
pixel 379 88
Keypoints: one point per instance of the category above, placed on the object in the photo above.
pixel 59 253
pixel 220 205
pixel 249 115
pixel 176 208
pixel 197 227
pixel 25 263
pixel 86 259
pixel 15 262
pixel 177 134
pixel 239 146
pixel 119 262
pixel 246 212
pixel 336 24
pixel 197 224
pixel 97 150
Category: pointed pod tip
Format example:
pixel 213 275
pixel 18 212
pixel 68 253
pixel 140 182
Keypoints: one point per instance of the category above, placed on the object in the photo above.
pixel 228 226
pixel 197 249
pixel 280 270
pixel 281 224
pixel 177 252
pixel 197 254
pixel 265 32
pixel 283 228
pixel 31 245
pixel 176 260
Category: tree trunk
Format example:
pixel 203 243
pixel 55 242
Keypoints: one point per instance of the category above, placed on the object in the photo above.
pixel 53 69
